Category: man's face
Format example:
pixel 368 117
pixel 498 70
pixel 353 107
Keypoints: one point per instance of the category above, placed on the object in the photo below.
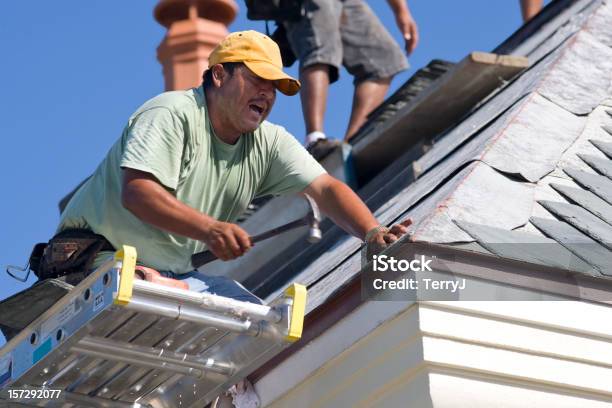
pixel 247 99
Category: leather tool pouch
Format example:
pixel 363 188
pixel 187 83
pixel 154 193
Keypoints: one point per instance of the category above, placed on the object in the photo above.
pixel 69 252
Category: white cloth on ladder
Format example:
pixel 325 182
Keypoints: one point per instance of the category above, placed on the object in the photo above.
pixel 243 395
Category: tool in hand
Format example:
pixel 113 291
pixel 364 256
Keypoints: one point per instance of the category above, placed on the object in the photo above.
pixel 312 219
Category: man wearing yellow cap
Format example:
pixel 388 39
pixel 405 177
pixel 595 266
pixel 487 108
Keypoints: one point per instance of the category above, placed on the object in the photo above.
pixel 189 162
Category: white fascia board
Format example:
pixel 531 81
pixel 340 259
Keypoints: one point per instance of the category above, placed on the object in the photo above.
pixel 327 346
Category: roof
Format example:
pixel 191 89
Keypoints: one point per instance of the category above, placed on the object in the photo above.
pixel 530 164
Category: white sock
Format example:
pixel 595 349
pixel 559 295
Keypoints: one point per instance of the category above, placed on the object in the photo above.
pixel 314 136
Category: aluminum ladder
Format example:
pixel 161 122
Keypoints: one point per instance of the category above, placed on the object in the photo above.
pixel 116 341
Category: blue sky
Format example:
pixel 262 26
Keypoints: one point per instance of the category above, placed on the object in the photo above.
pixel 73 71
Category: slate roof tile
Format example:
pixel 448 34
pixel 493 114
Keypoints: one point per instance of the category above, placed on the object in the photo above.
pixel 580 80
pixel 525 247
pixel 579 244
pixel 604 147
pixel 582 220
pixel 602 166
pixel 599 185
pixel 586 200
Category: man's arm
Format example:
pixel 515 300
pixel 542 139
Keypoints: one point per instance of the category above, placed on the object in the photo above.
pixel 346 209
pixel 149 201
pixel 405 23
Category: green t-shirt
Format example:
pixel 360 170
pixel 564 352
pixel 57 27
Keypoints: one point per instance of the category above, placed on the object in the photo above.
pixel 171 137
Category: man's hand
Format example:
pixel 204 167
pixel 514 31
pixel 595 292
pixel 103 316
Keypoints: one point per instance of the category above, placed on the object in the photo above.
pixel 410 32
pixel 379 241
pixel 406 24
pixel 226 240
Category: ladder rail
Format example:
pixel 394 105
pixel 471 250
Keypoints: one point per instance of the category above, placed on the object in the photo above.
pixel 152 357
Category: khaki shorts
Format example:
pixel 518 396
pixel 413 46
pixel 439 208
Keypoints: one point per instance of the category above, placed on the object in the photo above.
pixel 345 32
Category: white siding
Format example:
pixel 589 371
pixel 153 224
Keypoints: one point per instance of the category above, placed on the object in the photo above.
pixel 454 354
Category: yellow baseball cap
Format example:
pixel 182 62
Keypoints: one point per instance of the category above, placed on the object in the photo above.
pixel 259 53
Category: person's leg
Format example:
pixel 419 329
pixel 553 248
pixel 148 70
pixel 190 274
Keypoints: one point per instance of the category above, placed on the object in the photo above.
pixel 371 55
pixel 315 83
pixel 368 95
pixel 315 40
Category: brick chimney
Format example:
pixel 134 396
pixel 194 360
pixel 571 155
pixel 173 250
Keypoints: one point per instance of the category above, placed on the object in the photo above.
pixel 195 27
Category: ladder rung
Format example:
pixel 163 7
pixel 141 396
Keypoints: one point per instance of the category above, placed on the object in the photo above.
pixel 161 359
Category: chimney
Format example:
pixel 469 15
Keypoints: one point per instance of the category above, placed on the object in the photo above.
pixel 195 27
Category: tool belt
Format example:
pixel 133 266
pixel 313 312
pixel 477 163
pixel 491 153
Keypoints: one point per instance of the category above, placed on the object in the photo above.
pixel 71 251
